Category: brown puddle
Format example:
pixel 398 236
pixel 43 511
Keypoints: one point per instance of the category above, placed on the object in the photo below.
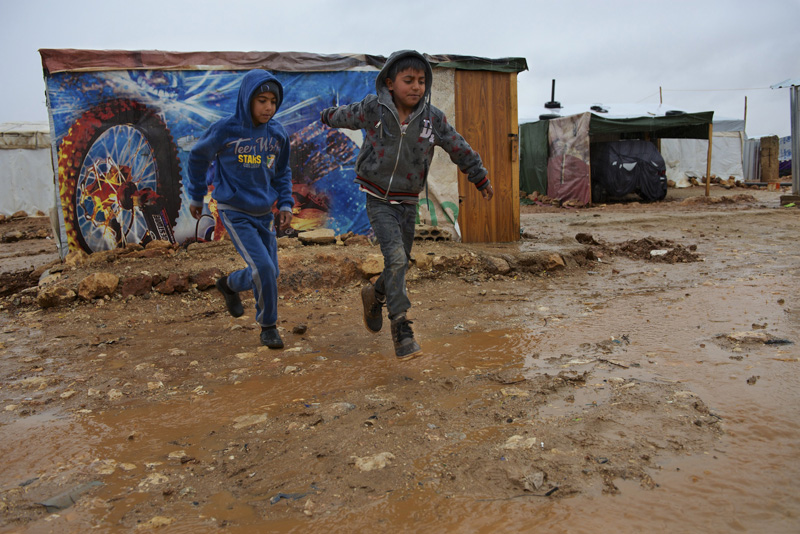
pixel 646 424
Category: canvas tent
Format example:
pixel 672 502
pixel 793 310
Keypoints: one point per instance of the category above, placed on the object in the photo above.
pixel 687 158
pixel 555 152
pixel 101 102
pixel 26 168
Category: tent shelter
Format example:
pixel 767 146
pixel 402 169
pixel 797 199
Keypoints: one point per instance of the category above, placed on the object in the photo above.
pixel 687 158
pixel 556 148
pixel 26 168
pixel 123 123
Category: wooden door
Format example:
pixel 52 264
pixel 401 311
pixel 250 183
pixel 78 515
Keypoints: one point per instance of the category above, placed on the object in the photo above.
pixel 486 115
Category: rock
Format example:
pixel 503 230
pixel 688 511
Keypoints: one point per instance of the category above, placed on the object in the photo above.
pixel 370 463
pixel 76 257
pixel 533 481
pixel 97 285
pixel 155 252
pixel 159 244
pixel 321 236
pixel 21 214
pixel 586 239
pixel 156 522
pixel 64 500
pixel 495 265
pixel 175 283
pixel 245 421
pixel 748 337
pixel 288 242
pixel 54 296
pixel 519 442
pixel 357 240
pixel 13 236
pixel 554 262
pixel 205 279
pixel 103 256
pixel 137 285
pixel 372 265
pixel 177 455
pixel 514 392
pixel 423 262
pixel 336 410
pixel 154 479
pixel 299 329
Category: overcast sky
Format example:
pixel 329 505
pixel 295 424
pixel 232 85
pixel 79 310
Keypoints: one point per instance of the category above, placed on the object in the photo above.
pixel 705 55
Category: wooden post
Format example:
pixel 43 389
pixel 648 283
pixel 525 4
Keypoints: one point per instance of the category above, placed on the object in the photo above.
pixel 708 159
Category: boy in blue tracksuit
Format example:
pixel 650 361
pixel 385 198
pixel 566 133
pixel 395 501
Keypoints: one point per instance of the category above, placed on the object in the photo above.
pixel 251 152
pixel 401 130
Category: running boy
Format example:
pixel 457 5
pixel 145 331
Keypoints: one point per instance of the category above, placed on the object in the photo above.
pixel 401 130
pixel 251 151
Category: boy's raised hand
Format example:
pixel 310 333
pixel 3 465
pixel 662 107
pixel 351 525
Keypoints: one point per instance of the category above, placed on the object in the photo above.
pixel 487 192
pixel 196 211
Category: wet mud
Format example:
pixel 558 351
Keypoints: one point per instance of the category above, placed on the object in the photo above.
pixel 640 391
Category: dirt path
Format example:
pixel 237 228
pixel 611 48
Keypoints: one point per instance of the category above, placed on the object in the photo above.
pixel 547 390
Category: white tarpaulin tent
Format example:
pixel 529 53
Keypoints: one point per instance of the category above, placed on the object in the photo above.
pixel 26 168
pixel 686 158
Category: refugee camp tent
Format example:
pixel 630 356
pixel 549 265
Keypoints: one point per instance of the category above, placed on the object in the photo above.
pixel 555 148
pixel 102 102
pixel 687 158
pixel 26 168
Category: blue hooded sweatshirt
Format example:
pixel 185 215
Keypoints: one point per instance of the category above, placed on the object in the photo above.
pixel 252 162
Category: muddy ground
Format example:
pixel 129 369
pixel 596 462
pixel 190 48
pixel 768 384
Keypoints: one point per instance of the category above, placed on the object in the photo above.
pixel 537 381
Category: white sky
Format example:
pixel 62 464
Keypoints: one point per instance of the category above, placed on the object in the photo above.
pixel 706 55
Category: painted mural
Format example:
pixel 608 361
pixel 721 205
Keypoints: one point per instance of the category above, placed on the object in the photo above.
pixel 123 140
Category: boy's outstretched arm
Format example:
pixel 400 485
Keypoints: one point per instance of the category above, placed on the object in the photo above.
pixel 353 116
pixel 468 161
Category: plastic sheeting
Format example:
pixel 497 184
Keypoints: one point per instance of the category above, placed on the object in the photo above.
pixel 568 164
pixel 26 168
pixel 687 158
pixel 72 60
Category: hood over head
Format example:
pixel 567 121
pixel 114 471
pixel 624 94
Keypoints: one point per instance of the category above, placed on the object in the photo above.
pixel 380 81
pixel 252 84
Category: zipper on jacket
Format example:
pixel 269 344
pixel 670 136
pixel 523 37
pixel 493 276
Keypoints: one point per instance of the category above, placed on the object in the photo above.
pixel 396 161
pixel 400 145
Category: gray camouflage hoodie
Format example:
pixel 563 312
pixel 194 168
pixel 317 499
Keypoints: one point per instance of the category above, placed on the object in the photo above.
pixel 393 164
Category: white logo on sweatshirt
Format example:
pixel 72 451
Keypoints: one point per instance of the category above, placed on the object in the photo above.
pixel 427 130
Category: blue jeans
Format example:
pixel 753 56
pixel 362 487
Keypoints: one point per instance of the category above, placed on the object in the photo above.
pixel 254 239
pixel 393 225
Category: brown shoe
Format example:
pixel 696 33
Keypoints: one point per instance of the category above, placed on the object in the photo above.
pixel 405 346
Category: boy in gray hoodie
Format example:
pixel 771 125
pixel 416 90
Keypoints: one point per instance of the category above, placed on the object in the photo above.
pixel 401 129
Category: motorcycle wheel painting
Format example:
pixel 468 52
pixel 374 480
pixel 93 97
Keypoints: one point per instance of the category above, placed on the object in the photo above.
pixel 119 177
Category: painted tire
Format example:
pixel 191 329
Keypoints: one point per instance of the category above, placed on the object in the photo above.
pixel 119 177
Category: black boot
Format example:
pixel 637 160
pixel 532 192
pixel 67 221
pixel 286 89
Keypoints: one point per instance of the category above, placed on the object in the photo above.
pixel 232 300
pixel 270 337
pixel 405 346
pixel 373 308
